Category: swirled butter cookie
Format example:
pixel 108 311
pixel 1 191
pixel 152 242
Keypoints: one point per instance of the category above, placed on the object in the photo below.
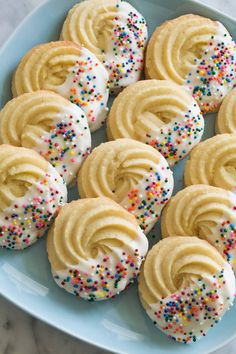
pixel 51 125
pixel 197 53
pixel 95 248
pixel 159 113
pixel 115 32
pixel 204 211
pixel 131 173
pixel 31 193
pixel 69 70
pixel 226 118
pixel 213 162
pixel 186 287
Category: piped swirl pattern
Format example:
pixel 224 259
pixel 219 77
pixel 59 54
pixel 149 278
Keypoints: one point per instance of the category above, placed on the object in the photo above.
pixel 204 211
pixel 51 125
pixel 131 173
pixel 159 113
pixel 185 287
pixel 226 119
pixel 95 248
pixel 197 53
pixel 69 70
pixel 115 32
pixel 31 193
pixel 213 162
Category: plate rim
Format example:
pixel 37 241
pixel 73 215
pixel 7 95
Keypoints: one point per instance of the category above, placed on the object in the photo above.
pixel 38 316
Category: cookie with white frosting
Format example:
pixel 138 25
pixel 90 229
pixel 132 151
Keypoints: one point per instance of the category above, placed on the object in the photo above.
pixel 197 53
pixel 51 125
pixel 69 70
pixel 204 211
pixel 31 194
pixel 95 248
pixel 186 287
pixel 115 32
pixel 159 113
pixel 131 173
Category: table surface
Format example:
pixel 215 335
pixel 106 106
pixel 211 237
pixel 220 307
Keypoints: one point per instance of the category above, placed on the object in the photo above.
pixel 19 332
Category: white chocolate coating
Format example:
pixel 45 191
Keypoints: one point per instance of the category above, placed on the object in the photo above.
pixel 28 218
pixel 116 272
pixel 197 53
pixel 125 49
pixel 186 287
pixel 71 143
pixel 51 125
pixel 95 248
pixel 159 113
pixel 176 139
pixel 148 197
pixel 189 310
pixel 213 75
pixel 133 174
pixel 70 70
pixel 115 32
pixel 87 86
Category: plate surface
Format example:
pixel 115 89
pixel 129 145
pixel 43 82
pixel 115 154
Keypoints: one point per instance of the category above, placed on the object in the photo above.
pixel 119 325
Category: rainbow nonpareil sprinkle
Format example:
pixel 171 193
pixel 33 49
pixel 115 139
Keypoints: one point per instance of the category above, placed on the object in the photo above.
pixel 214 73
pixel 124 56
pixel 103 279
pixel 227 241
pixel 175 140
pixel 25 221
pixel 66 145
pixel 146 200
pixel 188 314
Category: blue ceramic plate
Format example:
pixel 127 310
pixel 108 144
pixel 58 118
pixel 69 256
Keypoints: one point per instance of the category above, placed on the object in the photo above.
pixel 119 325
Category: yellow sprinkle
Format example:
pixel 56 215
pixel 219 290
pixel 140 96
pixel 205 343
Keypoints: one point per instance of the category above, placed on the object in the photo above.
pixel 101 294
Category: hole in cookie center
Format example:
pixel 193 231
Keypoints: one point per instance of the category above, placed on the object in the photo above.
pixel 231 170
pixel 104 246
pixel 56 74
pixel 152 120
pixel 10 191
pixel 103 25
pixel 185 280
pixel 32 132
